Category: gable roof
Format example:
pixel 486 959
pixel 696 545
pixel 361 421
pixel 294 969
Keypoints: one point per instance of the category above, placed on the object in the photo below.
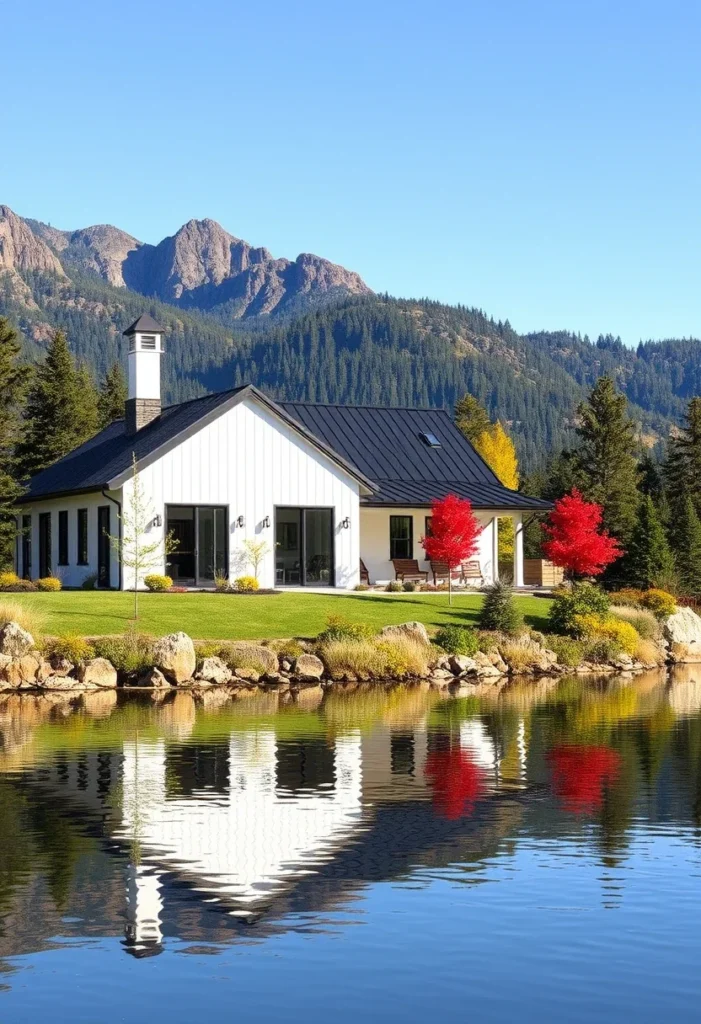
pixel 379 447
pixel 106 459
pixel 386 444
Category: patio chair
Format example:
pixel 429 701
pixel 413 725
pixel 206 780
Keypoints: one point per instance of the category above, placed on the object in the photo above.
pixel 441 571
pixel 408 569
pixel 471 571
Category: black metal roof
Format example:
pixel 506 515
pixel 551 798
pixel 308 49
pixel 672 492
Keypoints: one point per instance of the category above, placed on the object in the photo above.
pixel 145 323
pixel 381 447
pixel 386 445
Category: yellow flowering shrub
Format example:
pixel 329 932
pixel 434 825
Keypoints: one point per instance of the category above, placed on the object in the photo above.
pixel 593 627
pixel 659 602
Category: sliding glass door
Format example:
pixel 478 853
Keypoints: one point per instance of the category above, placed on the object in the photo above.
pixel 200 533
pixel 304 547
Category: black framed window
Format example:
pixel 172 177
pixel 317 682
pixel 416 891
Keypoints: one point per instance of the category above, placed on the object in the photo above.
pixel 45 564
pixel 82 536
pixel 27 547
pixel 63 538
pixel 401 537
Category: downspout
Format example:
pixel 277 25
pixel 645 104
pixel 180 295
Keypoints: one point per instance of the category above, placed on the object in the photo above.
pixel 119 520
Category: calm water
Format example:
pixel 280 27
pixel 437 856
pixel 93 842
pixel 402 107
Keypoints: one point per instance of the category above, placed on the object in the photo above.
pixel 531 855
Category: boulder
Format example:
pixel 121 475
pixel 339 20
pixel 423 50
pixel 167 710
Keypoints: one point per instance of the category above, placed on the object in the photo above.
pixel 249 675
pixel 153 678
pixel 683 632
pixel 413 630
pixel 214 671
pixel 66 683
pixel 685 654
pixel 256 654
pixel 28 667
pixel 460 664
pixel 60 667
pixel 5 662
pixel 15 641
pixel 174 656
pixel 309 667
pixel 100 672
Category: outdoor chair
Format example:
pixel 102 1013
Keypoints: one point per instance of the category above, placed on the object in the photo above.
pixel 408 569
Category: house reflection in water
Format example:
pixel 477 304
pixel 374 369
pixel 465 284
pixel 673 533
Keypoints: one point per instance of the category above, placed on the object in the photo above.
pixel 238 823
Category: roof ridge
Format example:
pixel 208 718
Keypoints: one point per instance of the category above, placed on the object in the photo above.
pixel 345 405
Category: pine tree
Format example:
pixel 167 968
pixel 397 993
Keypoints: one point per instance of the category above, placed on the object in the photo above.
pixel 606 458
pixel 683 469
pixel 687 548
pixel 649 561
pixel 13 380
pixel 88 419
pixel 471 417
pixel 113 395
pixel 59 414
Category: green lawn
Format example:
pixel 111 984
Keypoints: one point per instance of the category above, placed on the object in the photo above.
pixel 230 616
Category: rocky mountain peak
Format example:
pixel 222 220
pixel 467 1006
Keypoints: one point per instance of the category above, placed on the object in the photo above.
pixel 21 249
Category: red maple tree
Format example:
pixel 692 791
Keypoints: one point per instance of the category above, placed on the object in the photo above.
pixel 577 541
pixel 454 533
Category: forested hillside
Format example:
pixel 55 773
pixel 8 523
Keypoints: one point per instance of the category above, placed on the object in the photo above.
pixel 367 349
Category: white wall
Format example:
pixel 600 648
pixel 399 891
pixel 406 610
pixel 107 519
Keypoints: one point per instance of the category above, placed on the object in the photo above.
pixel 374 540
pixel 72 574
pixel 250 461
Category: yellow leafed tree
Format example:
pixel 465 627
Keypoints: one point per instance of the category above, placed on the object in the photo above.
pixel 498 451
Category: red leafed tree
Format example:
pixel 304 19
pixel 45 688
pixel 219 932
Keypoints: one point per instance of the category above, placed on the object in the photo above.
pixel 454 533
pixel 580 774
pixel 457 782
pixel 576 540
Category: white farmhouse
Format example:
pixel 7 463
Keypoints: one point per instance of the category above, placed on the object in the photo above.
pixel 331 489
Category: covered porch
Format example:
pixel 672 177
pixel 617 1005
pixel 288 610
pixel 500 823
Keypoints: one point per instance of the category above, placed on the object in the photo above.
pixel 388 533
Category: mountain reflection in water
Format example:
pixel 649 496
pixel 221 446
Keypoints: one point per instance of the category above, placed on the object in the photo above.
pixel 161 827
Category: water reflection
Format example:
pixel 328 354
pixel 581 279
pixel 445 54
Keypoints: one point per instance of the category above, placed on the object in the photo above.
pixel 170 820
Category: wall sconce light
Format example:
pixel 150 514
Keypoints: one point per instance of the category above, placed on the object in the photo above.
pixel 345 523
pixel 157 521
pixel 240 521
pixel 266 522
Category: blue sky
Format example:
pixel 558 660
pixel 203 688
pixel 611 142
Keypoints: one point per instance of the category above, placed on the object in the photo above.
pixel 537 159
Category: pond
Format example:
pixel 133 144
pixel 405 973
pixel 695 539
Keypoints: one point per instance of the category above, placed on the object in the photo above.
pixel 381 854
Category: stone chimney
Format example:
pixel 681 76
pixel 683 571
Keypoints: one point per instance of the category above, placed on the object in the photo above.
pixel 145 348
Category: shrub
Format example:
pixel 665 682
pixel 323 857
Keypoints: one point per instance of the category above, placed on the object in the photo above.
pixel 499 611
pixel 361 587
pixel 289 649
pixel 395 587
pixel 129 653
pixel 595 627
pixel 24 615
pixel 373 659
pixel 521 653
pixel 570 652
pixel 8 579
pixel 246 584
pixel 409 587
pixel 49 584
pixel 221 582
pixel 628 597
pixel 20 587
pixel 457 640
pixel 648 652
pixel 571 601
pixel 71 646
pixel 647 624
pixel 601 649
pixel 89 582
pixel 158 583
pixel 659 602
pixel 338 628
pixel 240 657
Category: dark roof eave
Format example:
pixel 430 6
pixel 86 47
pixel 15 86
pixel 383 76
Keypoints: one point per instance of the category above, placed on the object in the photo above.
pixel 372 502
pixel 29 499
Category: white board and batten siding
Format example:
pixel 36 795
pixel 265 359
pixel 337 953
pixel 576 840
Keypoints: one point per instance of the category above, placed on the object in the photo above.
pixel 250 461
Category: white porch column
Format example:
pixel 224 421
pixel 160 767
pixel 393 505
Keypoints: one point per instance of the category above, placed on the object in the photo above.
pixel 518 550
pixel 495 549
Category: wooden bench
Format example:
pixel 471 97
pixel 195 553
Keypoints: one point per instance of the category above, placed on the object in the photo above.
pixel 364 574
pixel 408 569
pixel 441 571
pixel 471 570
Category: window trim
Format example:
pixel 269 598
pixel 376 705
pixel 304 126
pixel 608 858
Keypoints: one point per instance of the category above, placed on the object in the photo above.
pixel 392 539
pixel 26 546
pixel 63 537
pixel 82 557
pixel 427 526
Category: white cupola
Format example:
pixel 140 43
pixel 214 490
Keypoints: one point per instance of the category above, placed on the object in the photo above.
pixel 144 391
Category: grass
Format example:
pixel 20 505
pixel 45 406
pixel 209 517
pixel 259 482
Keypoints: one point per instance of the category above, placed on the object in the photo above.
pixel 266 616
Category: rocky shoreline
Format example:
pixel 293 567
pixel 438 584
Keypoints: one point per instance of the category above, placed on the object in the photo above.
pixel 179 664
